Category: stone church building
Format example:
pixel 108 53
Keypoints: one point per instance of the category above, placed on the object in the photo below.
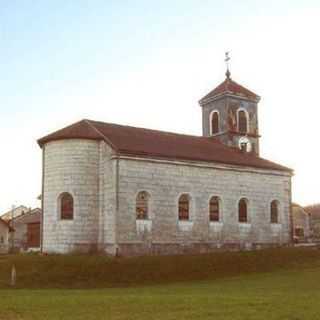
pixel 128 191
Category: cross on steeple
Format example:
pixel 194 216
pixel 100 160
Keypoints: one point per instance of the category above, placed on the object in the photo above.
pixel 226 60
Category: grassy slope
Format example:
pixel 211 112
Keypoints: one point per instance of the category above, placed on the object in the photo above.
pixel 276 284
pixel 59 271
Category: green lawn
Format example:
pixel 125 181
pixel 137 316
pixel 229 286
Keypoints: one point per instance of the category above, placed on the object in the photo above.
pixel 271 284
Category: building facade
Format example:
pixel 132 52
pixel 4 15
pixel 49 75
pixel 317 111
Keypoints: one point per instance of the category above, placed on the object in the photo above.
pixel 133 191
pixel 302 231
pixel 314 218
pixel 4 236
pixel 26 235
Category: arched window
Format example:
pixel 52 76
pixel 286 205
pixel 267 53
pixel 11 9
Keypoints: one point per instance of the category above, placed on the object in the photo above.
pixel 66 206
pixel 184 207
pixel 242 121
pixel 214 122
pixel 142 205
pixel 214 209
pixel 243 210
pixel 274 211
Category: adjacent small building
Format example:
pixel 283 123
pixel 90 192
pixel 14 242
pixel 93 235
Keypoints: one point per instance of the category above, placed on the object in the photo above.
pixel 5 230
pixel 26 234
pixel 300 224
pixel 314 216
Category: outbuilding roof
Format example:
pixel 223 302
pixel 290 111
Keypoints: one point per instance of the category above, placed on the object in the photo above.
pixel 32 216
pixel 313 210
pixel 140 142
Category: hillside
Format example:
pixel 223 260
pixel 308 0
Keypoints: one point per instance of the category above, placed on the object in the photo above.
pixel 89 271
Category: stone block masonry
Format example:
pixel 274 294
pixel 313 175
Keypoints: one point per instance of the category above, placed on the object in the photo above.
pixel 71 166
pixel 104 188
pixel 166 181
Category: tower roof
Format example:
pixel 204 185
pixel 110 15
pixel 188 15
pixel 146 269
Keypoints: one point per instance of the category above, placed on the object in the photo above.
pixel 228 86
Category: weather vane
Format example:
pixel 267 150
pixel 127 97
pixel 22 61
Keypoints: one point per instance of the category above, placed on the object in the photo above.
pixel 226 60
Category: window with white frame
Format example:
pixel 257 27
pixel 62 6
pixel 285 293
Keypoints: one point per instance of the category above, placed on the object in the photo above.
pixel 274 211
pixel 243 210
pixel 243 121
pixel 142 205
pixel 214 209
pixel 65 203
pixel 214 122
pixel 184 207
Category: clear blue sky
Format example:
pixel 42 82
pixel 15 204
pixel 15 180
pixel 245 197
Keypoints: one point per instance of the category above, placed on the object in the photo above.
pixel 146 63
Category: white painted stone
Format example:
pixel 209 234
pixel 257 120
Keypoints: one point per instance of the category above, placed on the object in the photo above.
pixel 185 225
pixel 143 226
pixel 276 228
pixel 216 226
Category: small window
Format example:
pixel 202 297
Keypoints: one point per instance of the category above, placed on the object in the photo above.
pixel 274 211
pixel 243 210
pixel 142 205
pixel 214 209
pixel 214 122
pixel 243 121
pixel 184 207
pixel 244 146
pixel 2 239
pixel 66 206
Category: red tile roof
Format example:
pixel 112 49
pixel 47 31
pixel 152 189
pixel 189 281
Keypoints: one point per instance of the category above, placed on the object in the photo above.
pixel 126 140
pixel 231 87
pixel 313 210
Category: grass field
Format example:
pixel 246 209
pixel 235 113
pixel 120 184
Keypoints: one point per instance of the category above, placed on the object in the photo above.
pixel 270 284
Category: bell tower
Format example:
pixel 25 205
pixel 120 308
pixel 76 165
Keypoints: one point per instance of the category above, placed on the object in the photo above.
pixel 230 114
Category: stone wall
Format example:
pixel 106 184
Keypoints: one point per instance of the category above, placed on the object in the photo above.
pixel 165 182
pixel 104 188
pixel 71 166
pixel 108 199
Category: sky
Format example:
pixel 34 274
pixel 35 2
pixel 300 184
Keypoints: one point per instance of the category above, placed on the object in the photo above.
pixel 147 64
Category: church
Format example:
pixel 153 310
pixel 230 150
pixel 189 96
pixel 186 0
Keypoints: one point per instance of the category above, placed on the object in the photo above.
pixel 127 191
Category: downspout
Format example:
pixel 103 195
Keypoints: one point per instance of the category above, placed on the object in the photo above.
pixel 117 206
pixel 42 197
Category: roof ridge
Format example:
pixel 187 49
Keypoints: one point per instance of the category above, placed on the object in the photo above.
pixel 30 212
pixel 100 133
pixel 13 210
pixel 210 139
pixel 147 129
